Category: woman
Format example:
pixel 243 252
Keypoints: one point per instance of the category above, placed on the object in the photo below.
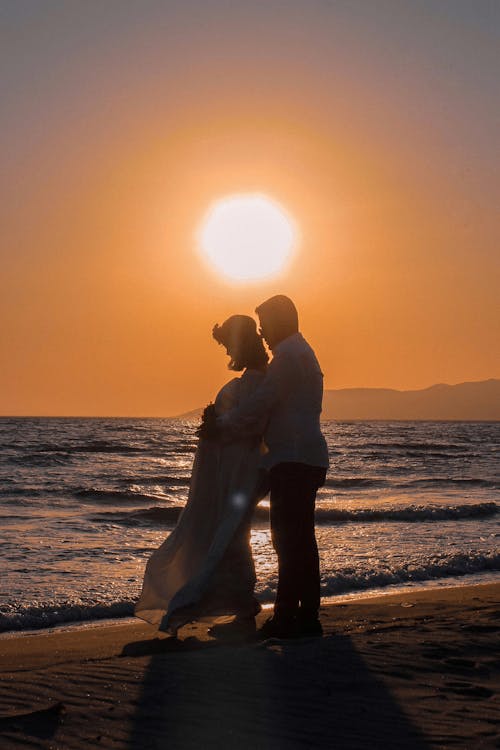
pixel 205 567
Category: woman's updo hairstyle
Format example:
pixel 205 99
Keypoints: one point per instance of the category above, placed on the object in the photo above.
pixel 239 335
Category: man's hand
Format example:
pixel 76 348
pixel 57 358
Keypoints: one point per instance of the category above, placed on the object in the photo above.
pixel 208 429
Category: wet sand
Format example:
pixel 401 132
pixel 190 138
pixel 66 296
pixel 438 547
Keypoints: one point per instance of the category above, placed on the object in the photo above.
pixel 405 670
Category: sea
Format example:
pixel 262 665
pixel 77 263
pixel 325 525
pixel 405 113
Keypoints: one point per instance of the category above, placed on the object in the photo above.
pixel 84 502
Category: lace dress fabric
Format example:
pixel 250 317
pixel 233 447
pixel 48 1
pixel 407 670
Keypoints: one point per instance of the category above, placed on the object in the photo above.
pixel 205 566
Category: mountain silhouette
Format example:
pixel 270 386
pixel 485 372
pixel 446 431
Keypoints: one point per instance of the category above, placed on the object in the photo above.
pixel 478 400
pixel 464 401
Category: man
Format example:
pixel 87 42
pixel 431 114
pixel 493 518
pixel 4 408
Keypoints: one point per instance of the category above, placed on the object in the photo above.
pixel 297 459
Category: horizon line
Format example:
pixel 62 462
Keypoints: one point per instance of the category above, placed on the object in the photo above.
pixel 347 388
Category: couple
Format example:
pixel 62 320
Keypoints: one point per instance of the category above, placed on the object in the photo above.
pixel 261 434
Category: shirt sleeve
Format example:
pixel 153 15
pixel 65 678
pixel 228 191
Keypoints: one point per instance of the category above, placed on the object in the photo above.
pixel 251 415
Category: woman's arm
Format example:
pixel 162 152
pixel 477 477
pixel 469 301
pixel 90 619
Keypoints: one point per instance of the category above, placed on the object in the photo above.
pixel 250 416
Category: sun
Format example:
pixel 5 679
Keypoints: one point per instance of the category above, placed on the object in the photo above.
pixel 247 237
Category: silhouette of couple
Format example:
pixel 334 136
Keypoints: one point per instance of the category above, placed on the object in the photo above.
pixel 261 434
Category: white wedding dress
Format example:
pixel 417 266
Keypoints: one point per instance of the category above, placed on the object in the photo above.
pixel 205 567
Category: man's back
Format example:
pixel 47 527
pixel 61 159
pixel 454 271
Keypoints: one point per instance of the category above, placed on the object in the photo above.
pixel 286 407
pixel 295 385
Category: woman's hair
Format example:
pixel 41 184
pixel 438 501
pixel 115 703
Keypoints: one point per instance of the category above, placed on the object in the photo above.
pixel 239 334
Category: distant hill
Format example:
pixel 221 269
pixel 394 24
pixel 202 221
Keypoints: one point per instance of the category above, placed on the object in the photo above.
pixel 193 414
pixel 474 401
pixel 464 401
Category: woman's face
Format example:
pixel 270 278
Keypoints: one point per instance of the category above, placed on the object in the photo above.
pixel 231 349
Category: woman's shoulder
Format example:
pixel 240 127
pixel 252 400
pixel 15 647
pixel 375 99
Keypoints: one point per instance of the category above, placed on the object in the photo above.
pixel 237 389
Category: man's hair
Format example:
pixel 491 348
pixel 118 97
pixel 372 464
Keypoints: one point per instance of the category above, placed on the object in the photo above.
pixel 281 311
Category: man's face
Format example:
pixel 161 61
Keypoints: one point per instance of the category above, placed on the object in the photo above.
pixel 268 331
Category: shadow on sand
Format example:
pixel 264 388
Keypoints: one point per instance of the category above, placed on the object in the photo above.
pixel 41 724
pixel 276 694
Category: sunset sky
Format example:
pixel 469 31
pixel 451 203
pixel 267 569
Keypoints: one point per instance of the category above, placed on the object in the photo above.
pixel 374 124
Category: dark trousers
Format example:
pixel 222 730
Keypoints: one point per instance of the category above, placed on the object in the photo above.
pixel 293 494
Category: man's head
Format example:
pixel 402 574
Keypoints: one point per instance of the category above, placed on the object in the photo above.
pixel 278 319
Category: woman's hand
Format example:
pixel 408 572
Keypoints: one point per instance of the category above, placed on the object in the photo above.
pixel 208 428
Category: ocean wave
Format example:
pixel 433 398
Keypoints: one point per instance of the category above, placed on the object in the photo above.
pixel 180 449
pixel 348 482
pixel 411 513
pixel 360 454
pixel 56 458
pixel 24 494
pixel 97 495
pixel 420 447
pixel 50 614
pixel 168 515
pixel 156 515
pixel 93 446
pixel 452 482
pixel 15 618
pixel 149 448
pixel 435 569
pixel 168 481
pixel 438 482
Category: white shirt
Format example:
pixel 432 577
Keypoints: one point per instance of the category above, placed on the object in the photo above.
pixel 287 406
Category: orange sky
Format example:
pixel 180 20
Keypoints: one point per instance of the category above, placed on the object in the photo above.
pixel 376 130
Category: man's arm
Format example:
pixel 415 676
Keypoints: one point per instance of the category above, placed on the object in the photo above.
pixel 250 417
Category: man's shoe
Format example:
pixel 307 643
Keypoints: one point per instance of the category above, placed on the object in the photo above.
pixel 278 627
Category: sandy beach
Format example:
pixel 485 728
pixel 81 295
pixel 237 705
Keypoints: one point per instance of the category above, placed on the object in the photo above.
pixel 417 669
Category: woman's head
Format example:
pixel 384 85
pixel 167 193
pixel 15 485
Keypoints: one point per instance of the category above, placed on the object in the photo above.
pixel 243 344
